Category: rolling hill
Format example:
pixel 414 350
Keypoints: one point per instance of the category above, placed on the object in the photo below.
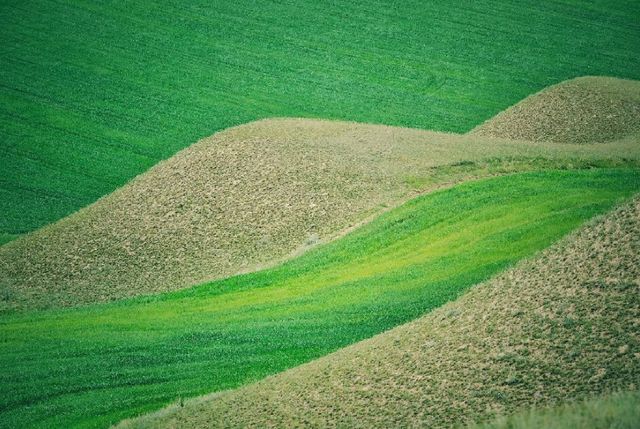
pixel 252 195
pixel 95 365
pixel 300 271
pixel 558 327
pixel 583 110
pixel 93 94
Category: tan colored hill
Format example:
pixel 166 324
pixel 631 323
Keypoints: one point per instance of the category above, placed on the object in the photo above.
pixel 251 196
pixel 582 110
pixel 563 325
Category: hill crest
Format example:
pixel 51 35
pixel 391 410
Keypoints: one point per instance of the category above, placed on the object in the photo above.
pixel 582 110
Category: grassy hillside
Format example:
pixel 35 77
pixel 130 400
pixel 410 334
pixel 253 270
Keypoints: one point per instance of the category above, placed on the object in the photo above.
pixel 94 93
pixel 620 411
pixel 583 110
pixel 560 326
pixel 252 195
pixel 99 364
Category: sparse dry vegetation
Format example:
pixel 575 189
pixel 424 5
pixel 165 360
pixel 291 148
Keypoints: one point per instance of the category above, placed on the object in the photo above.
pixel 561 326
pixel 582 110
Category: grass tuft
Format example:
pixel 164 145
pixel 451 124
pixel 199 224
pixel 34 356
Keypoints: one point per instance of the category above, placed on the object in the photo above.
pixel 618 410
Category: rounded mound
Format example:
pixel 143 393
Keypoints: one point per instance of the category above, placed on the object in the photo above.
pixel 227 204
pixel 582 110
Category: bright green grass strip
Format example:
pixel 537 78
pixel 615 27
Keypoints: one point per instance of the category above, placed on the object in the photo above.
pixel 93 366
pixel 615 411
pixel 93 93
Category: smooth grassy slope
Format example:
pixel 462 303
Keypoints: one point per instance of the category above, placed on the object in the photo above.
pixel 558 327
pixel 620 410
pixel 96 365
pixel 582 110
pixel 251 195
pixel 92 94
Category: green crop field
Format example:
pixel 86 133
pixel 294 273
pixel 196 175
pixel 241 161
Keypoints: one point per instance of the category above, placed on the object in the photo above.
pixel 95 365
pixel 93 93
pixel 214 210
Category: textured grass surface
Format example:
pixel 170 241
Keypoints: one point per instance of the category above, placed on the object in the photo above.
pixel 92 94
pixel 615 411
pixel 559 327
pixel 251 195
pixel 99 364
pixel 583 110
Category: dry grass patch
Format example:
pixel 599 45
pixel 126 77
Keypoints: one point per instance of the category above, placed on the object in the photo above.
pixel 582 110
pixel 563 325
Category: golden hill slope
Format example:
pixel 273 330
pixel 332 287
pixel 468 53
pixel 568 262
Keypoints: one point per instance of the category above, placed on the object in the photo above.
pixel 250 196
pixel 582 110
pixel 560 326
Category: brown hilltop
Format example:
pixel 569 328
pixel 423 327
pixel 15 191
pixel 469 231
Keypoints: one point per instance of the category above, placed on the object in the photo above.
pixel 582 110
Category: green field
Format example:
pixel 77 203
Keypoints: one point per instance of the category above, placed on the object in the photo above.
pixel 92 94
pixel 96 365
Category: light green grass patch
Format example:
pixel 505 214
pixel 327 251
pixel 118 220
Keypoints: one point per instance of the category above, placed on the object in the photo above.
pixel 553 328
pixel 216 210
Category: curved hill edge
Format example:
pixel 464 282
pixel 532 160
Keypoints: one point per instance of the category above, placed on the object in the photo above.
pixel 234 331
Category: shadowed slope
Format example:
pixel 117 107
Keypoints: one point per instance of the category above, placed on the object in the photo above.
pixel 582 110
pixel 557 327
pixel 249 196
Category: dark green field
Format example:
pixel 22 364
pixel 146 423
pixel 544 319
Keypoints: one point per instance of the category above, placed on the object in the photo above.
pixel 97 365
pixel 92 94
